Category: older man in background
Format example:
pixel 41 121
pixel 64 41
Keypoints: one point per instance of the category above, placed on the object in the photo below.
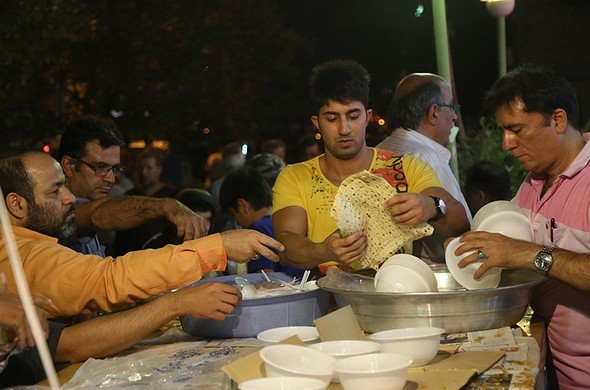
pixel 421 116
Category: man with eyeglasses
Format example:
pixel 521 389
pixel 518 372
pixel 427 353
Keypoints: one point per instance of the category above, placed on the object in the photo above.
pixel 40 210
pixel 421 116
pixel 90 155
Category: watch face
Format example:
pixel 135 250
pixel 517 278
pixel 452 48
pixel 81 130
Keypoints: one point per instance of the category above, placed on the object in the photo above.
pixel 543 261
pixel 442 205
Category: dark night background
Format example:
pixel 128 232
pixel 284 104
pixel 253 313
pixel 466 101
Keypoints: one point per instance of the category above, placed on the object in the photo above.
pixel 170 69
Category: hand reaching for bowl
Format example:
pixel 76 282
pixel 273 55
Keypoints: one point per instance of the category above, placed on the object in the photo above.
pixel 498 251
pixel 245 244
pixel 207 300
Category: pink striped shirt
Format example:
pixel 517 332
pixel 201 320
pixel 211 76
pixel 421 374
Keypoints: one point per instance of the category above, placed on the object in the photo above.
pixel 565 310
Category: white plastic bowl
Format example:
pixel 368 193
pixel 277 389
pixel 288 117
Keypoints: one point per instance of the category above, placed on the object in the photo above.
pixel 414 263
pixel 346 348
pixel 503 217
pixel 421 344
pixel 379 371
pixel 510 224
pixel 409 261
pixel 341 349
pixel 307 334
pixel 283 383
pixel 401 278
pixel 493 208
pixel 464 276
pixel 297 361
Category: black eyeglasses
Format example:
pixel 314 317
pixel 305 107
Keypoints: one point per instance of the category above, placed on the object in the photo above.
pixel 101 170
pixel 454 107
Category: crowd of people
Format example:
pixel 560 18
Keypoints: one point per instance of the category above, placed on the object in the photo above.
pixel 275 216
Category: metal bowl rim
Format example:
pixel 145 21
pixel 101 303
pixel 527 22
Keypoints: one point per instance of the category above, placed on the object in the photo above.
pixel 537 279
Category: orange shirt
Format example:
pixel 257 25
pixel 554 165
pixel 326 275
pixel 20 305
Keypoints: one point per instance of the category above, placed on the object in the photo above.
pixel 79 283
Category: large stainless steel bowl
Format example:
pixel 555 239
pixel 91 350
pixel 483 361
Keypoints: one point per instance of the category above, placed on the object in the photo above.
pixel 452 307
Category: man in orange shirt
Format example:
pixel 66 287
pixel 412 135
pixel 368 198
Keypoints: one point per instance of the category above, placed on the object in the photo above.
pixel 40 208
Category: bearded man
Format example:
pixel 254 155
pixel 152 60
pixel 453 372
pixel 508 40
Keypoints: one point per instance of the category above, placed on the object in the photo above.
pixel 40 211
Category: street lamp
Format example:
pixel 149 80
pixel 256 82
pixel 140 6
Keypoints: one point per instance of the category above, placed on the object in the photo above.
pixel 500 9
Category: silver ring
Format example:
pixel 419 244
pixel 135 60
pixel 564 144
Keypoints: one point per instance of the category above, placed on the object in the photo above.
pixel 481 255
pixel 256 256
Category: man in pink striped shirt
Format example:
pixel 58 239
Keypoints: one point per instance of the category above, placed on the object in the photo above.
pixel 538 111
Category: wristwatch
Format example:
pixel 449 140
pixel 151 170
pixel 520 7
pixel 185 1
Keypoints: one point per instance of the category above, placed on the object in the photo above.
pixel 441 209
pixel 544 260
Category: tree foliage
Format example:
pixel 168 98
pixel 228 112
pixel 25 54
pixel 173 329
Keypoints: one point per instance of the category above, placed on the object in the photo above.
pixel 163 68
pixel 485 143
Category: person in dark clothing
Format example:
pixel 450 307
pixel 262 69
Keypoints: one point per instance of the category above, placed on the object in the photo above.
pixel 246 195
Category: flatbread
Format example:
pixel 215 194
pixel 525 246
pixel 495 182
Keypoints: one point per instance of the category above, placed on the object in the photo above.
pixel 358 205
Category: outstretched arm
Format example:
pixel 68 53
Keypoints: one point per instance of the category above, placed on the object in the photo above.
pixel 504 252
pixel 109 334
pixel 127 212
pixel 244 245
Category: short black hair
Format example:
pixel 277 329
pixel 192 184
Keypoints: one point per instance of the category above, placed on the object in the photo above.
pixel 197 199
pixel 541 89
pixel 490 177
pixel 245 183
pixel 90 128
pixel 342 81
pixel 269 165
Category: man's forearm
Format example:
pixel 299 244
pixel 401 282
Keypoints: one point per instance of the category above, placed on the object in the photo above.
pixel 300 252
pixel 120 212
pixel 105 335
pixel 454 223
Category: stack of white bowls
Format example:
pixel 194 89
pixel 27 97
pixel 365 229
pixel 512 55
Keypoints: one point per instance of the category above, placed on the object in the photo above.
pixel 502 217
pixel 405 273
pixel 357 367
pixel 421 344
pixel 342 349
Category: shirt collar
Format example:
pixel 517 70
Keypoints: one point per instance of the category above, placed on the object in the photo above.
pixel 31 234
pixel 419 137
pixel 581 159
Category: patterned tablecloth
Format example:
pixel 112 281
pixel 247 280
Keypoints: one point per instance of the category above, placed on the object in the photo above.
pixel 179 361
pixel 519 367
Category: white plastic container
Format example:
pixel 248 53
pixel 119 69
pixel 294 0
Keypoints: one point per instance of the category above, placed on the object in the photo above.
pixel 253 316
pixel 307 334
pixel 282 360
pixel 420 344
pixel 378 371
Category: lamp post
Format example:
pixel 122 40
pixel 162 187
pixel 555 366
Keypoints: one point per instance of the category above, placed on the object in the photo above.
pixel 500 9
pixel 444 65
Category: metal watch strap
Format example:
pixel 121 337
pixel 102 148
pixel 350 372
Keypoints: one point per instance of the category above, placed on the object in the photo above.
pixel 544 260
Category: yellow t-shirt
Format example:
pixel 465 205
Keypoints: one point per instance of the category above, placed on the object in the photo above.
pixel 304 185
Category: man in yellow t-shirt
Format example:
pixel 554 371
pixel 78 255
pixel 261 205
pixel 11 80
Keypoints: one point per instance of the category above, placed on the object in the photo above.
pixel 304 192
